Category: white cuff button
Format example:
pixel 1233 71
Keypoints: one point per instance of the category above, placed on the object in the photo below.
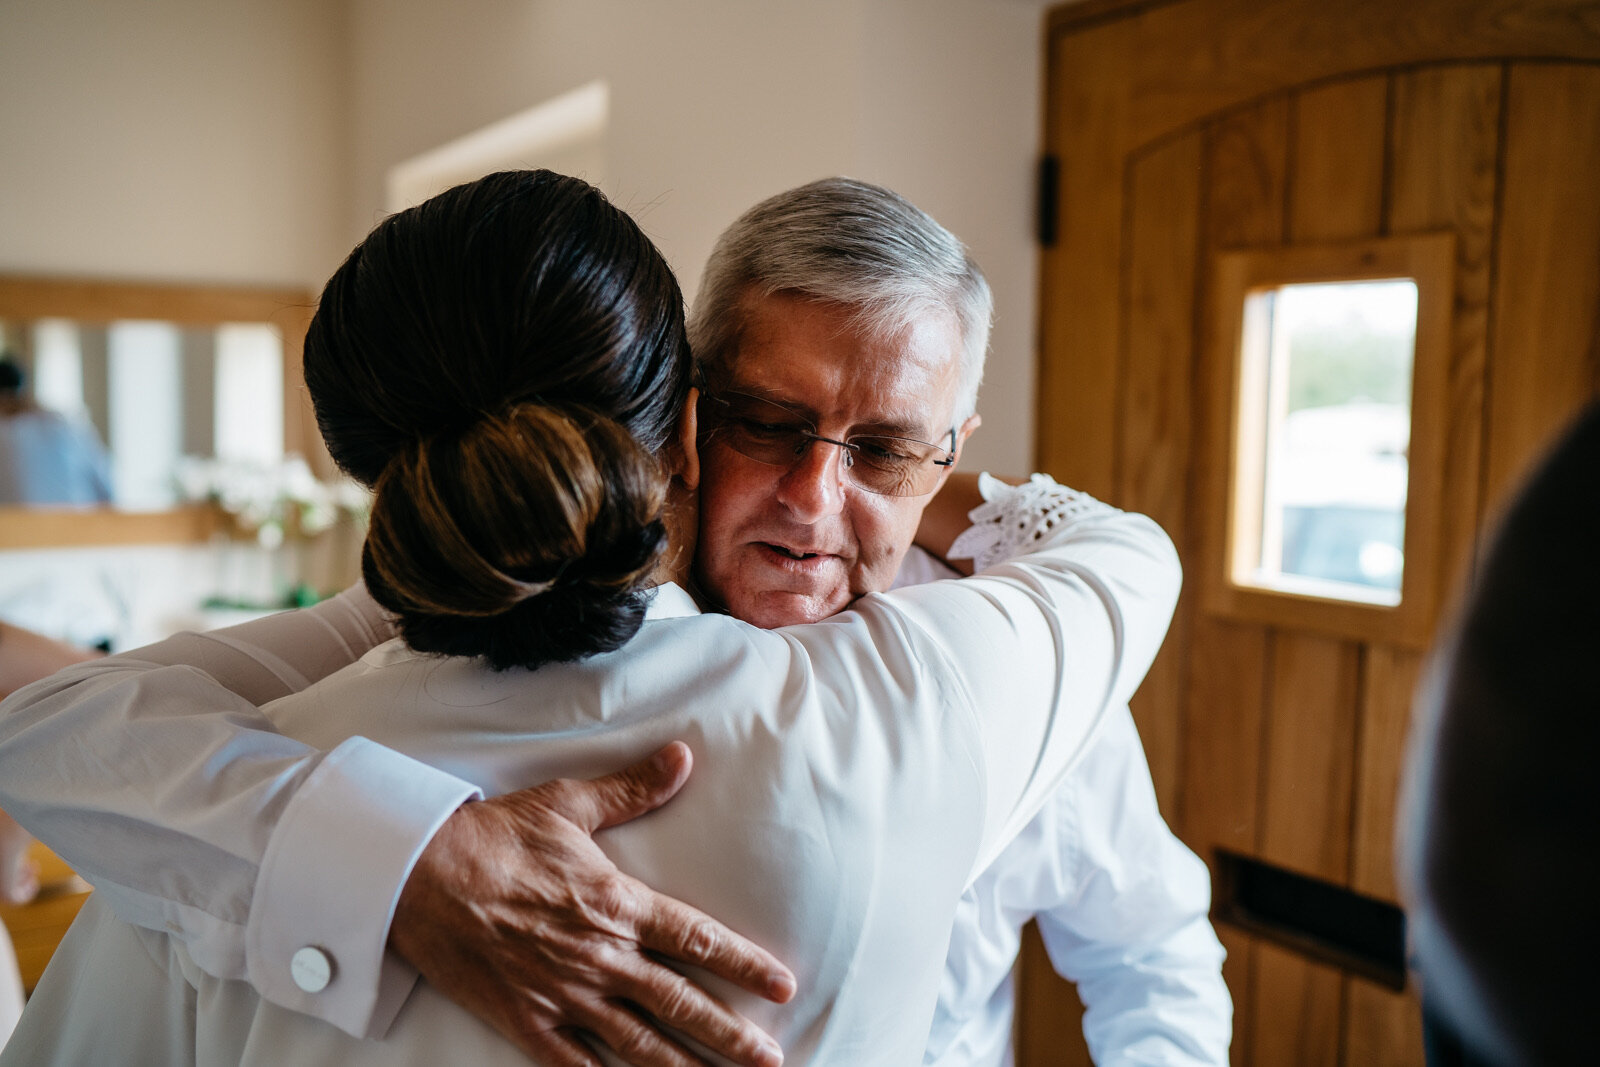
pixel 312 969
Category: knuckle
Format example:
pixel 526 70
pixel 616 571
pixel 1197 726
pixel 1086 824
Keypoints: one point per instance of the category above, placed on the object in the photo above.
pixel 701 940
pixel 626 784
pixel 689 1008
pixel 635 1041
pixel 613 897
pixel 676 1002
pixel 558 792
pixel 608 906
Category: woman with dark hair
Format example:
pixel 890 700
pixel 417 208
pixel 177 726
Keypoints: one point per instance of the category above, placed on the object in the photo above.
pixel 503 365
pixel 506 366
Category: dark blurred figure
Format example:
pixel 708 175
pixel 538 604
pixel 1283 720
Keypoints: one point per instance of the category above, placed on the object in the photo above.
pixel 45 457
pixel 1503 806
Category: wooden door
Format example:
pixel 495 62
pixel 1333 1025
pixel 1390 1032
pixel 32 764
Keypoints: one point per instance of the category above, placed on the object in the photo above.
pixel 1186 130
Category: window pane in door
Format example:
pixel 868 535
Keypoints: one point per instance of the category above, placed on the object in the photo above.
pixel 1335 437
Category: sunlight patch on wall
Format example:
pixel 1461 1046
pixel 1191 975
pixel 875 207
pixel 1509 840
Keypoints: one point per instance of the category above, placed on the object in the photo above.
pixel 566 133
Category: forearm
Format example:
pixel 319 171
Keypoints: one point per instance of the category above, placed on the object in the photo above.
pixel 946 517
pixel 1149 972
pixel 159 779
pixel 1163 1007
pixel 1131 925
pixel 26 657
pixel 279 654
pixel 169 728
pixel 1077 596
pixel 157 785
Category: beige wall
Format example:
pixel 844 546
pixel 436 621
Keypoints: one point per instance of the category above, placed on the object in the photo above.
pixel 172 139
pixel 718 103
pixel 952 119
pixel 248 140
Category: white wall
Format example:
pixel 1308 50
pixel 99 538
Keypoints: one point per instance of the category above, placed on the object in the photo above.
pixel 173 139
pixel 718 103
pixel 954 92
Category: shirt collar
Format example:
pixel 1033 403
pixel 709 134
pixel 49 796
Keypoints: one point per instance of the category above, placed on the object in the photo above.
pixel 670 601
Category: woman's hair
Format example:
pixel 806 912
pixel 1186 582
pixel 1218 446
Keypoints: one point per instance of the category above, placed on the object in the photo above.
pixel 502 365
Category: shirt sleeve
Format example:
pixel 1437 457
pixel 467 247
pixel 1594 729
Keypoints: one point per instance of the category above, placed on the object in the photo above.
pixel 1121 902
pixel 1054 633
pixel 155 775
pixel 1129 920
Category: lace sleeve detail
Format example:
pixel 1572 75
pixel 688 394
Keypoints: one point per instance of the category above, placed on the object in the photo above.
pixel 1013 519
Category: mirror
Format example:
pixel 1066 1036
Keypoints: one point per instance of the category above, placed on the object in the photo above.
pixel 130 393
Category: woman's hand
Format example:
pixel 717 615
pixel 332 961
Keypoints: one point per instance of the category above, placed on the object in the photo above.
pixel 514 913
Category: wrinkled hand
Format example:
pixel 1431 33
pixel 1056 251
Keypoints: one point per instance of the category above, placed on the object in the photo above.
pixel 514 913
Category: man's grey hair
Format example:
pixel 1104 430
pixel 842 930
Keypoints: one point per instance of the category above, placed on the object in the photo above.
pixel 854 244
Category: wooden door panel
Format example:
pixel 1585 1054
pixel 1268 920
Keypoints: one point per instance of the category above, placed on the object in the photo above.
pixel 1224 712
pixel 1247 169
pixel 1308 755
pixel 1338 162
pixel 1388 681
pixel 1546 346
pixel 1049 1027
pixel 1238 971
pixel 1445 137
pixel 1381 1026
pixel 1156 418
pixel 1197 58
pixel 1076 413
pixel 1185 127
pixel 1297 1010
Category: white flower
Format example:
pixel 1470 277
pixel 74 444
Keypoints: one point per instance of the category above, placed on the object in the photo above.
pixel 261 496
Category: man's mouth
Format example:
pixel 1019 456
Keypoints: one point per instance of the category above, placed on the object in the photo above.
pixel 785 550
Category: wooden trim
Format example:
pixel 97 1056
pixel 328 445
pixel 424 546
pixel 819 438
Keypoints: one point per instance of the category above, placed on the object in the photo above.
pixel 1430 259
pixel 1075 395
pixel 1069 17
pixel 42 527
pixel 1185 69
pixel 91 300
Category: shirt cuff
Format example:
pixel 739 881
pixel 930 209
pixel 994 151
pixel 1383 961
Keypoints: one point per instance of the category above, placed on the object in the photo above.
pixel 331 877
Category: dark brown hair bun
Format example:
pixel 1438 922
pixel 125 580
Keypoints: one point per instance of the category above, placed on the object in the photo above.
pixel 532 512
pixel 503 364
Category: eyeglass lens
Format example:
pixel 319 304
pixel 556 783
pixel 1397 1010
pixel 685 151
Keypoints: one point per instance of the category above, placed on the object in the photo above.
pixel 771 433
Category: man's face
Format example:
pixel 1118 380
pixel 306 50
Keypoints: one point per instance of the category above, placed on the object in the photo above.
pixel 757 518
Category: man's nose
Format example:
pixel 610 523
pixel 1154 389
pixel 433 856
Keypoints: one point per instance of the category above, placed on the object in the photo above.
pixel 813 488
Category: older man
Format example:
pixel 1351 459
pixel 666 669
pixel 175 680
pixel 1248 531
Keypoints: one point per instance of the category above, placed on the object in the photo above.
pixel 836 324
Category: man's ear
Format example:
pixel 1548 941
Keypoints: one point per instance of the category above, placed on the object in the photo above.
pixel 973 422
pixel 684 462
pixel 962 433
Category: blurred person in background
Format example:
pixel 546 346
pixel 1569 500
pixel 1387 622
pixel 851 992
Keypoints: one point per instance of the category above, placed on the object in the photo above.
pixel 45 457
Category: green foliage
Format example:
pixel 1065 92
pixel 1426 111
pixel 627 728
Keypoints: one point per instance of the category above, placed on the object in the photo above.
pixel 1338 366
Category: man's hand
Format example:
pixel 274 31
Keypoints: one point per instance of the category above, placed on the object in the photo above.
pixel 514 913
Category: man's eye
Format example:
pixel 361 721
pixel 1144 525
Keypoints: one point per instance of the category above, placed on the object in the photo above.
pixel 766 430
pixel 882 450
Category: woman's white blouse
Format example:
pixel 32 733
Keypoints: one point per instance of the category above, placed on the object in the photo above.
pixel 851 778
